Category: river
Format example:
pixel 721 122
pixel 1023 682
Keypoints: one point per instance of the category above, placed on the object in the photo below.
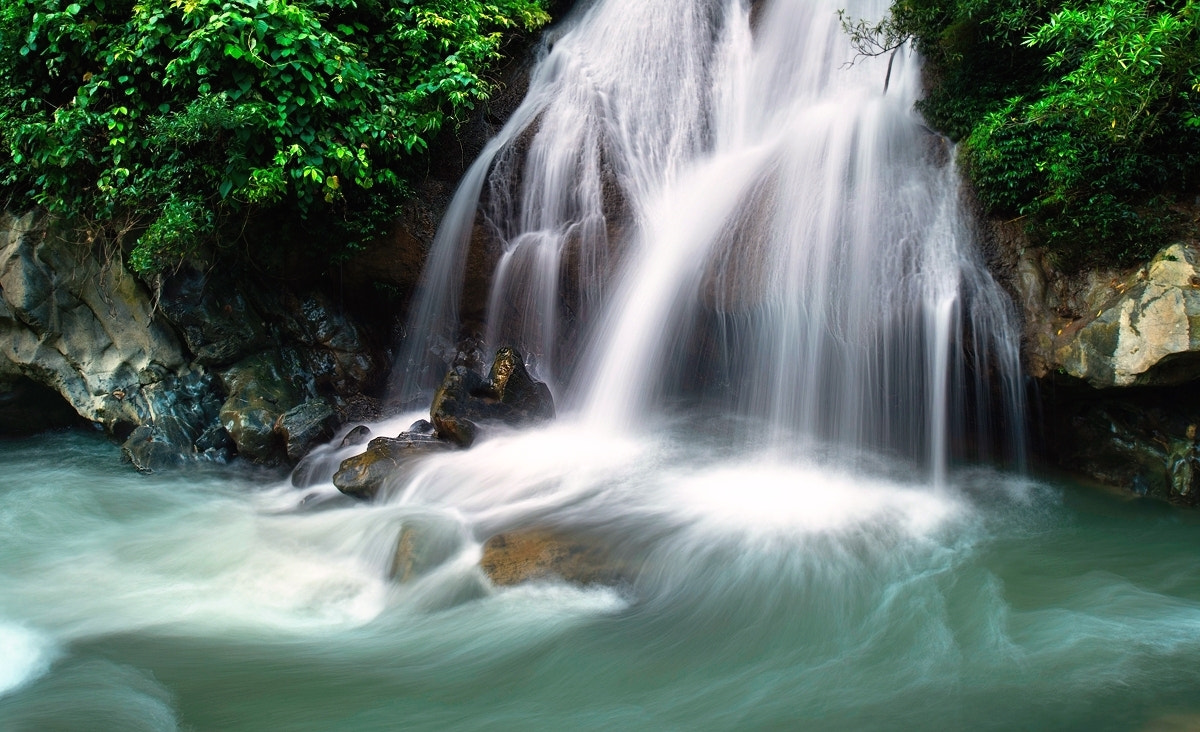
pixel 763 592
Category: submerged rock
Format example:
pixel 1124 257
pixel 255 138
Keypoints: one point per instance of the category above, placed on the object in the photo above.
pixel 532 554
pixel 363 475
pixel 424 543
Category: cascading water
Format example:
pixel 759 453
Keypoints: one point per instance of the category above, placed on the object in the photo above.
pixel 703 196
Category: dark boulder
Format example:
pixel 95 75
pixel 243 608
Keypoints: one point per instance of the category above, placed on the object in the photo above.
pixel 259 394
pixel 333 350
pixel 455 407
pixel 357 436
pixel 509 396
pixel 1142 440
pixel 528 401
pixel 216 321
pixel 179 423
pixel 304 426
pixel 421 427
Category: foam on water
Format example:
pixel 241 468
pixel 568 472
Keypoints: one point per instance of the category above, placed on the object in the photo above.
pixel 169 556
pixel 24 655
pixel 758 588
pixel 760 495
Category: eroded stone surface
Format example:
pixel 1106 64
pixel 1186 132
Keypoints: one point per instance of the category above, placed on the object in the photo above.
pixel 1138 335
pixel 80 325
pixel 1111 328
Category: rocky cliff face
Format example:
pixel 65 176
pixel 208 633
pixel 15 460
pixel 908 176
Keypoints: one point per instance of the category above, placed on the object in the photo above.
pixel 216 363
pixel 1115 355
pixel 82 327
pixel 210 366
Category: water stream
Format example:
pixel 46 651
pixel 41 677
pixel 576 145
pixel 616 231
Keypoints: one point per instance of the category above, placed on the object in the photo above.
pixel 768 594
pixel 788 396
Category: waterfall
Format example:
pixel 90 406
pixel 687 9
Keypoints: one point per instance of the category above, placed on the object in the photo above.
pixel 704 201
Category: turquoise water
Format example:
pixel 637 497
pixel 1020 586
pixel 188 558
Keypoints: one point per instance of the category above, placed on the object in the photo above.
pixel 766 592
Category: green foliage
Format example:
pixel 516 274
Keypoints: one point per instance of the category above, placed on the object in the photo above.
pixel 1082 118
pixel 191 114
pixel 173 235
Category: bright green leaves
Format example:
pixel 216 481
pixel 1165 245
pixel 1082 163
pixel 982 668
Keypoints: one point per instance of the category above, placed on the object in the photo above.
pixel 188 113
pixel 174 235
pixel 1124 65
pixel 1081 118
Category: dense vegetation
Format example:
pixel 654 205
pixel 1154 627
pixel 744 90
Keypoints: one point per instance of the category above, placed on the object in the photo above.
pixel 176 120
pixel 1081 118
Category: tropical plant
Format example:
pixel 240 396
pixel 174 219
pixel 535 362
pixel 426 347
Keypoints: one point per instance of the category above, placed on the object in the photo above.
pixel 182 116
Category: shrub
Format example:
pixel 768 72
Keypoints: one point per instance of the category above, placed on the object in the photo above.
pixel 187 115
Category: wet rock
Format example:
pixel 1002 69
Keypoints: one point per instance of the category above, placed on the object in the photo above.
pixel 304 426
pixel 76 324
pixel 151 448
pixel 454 406
pixel 259 394
pixel 528 401
pixel 333 351
pixel 536 554
pixel 1179 722
pixel 421 427
pixel 357 436
pixel 359 408
pixel 216 321
pixel 184 426
pixel 509 395
pixel 363 475
pixel 1141 440
pixel 424 544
